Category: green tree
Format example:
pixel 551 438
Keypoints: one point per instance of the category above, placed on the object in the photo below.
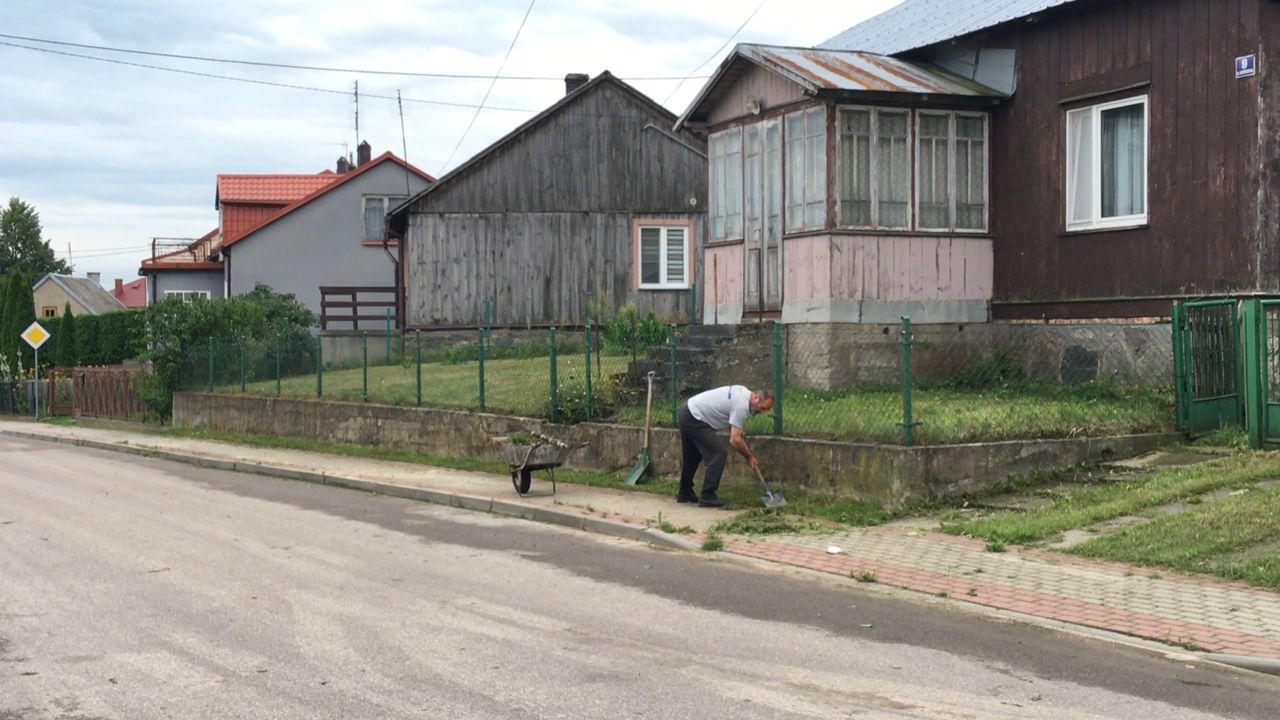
pixel 21 244
pixel 65 349
pixel 20 312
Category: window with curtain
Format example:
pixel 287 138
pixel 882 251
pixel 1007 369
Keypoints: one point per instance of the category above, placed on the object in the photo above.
pixel 726 185
pixel 951 171
pixel 664 260
pixel 806 169
pixel 875 175
pixel 1106 165
pixel 375 213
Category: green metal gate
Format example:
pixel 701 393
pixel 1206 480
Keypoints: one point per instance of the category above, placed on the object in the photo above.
pixel 1262 371
pixel 1206 342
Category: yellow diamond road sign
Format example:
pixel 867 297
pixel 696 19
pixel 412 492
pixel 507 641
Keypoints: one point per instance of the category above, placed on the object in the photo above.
pixel 35 335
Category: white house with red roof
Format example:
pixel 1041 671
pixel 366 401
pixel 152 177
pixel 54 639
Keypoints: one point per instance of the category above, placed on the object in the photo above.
pixel 294 233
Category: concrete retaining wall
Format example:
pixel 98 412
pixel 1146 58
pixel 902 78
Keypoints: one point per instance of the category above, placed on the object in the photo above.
pixel 886 474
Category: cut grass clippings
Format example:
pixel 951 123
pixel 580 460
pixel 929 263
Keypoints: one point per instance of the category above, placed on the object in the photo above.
pixel 1237 538
pixel 1095 504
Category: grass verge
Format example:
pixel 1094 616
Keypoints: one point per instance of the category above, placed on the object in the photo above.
pixel 1095 504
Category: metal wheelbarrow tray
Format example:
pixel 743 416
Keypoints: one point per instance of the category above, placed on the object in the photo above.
pixel 546 454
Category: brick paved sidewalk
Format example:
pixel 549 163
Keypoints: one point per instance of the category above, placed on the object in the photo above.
pixel 1188 612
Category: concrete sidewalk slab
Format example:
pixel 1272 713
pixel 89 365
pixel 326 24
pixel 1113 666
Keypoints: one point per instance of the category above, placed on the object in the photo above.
pixel 1233 622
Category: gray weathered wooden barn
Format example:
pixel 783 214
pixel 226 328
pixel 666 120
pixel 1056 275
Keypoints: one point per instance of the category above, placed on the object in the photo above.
pixel 593 195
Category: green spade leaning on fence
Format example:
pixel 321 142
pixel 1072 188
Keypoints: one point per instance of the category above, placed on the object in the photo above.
pixel 642 462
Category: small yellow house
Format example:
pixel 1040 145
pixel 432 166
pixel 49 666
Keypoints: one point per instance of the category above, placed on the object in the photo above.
pixel 87 297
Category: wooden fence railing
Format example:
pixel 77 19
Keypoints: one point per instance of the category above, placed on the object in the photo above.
pixel 110 392
pixel 353 305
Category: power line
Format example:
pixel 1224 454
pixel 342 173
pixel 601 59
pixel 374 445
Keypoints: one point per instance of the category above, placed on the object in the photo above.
pixel 716 53
pixel 491 84
pixel 251 81
pixel 287 66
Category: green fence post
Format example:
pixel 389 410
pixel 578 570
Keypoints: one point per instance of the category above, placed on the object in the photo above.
pixel 364 345
pixel 675 386
pixel 417 361
pixel 481 369
pixel 319 367
pixel 586 344
pixel 1180 406
pixel 555 385
pixel 388 336
pixel 777 377
pixel 279 343
pixel 907 425
pixel 1254 362
pixel 241 363
pixel 488 321
pixel 209 383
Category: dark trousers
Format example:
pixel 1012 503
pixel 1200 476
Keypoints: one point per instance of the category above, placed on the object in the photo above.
pixel 700 444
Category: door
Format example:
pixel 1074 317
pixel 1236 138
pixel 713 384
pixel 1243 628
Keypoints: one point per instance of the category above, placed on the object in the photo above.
pixel 762 205
pixel 1206 345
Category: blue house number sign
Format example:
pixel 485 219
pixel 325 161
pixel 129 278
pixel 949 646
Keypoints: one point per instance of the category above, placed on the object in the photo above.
pixel 1246 66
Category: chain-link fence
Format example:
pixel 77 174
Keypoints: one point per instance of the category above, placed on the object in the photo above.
pixel 878 384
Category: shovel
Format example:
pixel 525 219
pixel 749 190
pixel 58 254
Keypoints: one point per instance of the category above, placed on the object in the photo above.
pixel 771 499
pixel 642 462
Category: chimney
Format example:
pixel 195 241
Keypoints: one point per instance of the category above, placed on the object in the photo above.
pixel 364 153
pixel 119 287
pixel 573 81
pixel 95 278
pixel 344 165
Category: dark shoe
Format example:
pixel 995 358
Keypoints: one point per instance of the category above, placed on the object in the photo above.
pixel 710 502
pixel 686 498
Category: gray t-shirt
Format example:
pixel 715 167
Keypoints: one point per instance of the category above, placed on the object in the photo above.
pixel 722 407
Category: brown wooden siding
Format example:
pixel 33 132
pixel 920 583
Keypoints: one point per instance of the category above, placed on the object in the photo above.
pixel 1203 235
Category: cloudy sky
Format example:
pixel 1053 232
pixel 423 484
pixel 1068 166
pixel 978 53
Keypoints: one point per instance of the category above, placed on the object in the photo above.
pixel 112 154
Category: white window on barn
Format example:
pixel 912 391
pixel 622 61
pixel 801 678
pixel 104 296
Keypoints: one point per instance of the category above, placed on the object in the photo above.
pixel 1107 165
pixel 951 171
pixel 664 257
pixel 806 169
pixel 875 169
pixel 726 184
pixel 376 208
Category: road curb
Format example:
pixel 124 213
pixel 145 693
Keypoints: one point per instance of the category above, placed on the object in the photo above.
pixel 551 516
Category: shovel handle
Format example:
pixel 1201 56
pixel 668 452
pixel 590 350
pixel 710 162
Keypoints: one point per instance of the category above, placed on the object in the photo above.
pixel 648 408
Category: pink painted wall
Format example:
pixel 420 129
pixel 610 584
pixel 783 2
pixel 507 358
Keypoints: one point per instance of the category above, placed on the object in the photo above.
pixel 723 270
pixel 887 267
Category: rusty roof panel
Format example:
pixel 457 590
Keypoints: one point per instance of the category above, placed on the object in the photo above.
pixel 860 71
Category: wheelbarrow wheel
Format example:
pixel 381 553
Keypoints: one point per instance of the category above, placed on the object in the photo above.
pixel 521 480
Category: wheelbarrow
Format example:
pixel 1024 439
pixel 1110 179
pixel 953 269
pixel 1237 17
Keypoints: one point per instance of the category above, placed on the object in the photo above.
pixel 545 453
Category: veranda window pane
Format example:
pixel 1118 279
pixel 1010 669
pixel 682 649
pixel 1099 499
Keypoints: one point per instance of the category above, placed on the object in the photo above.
pixel 1123 162
pixel 934 202
pixel 893 169
pixel 815 215
pixel 970 173
pixel 650 255
pixel 855 168
pixel 754 148
pixel 795 171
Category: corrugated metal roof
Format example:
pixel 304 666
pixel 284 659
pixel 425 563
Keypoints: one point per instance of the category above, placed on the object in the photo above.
pixel 920 23
pixel 817 69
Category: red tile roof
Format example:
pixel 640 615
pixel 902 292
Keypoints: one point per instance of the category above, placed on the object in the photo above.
pixel 132 294
pixel 270 189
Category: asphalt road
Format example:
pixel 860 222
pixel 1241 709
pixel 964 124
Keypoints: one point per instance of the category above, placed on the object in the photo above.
pixel 134 588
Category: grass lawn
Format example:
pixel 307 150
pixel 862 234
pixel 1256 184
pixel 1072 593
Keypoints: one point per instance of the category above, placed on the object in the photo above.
pixel 1236 538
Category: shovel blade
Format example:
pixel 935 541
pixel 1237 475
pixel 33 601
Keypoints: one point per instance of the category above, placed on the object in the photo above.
pixel 642 465
pixel 773 500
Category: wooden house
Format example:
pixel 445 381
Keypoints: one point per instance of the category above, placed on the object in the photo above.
pixel 973 159
pixel 595 195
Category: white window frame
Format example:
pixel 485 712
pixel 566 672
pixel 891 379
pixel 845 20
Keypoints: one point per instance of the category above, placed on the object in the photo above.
pixel 386 208
pixel 951 116
pixel 874 174
pixel 189 295
pixel 664 230
pixel 1096 221
pixel 824 192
